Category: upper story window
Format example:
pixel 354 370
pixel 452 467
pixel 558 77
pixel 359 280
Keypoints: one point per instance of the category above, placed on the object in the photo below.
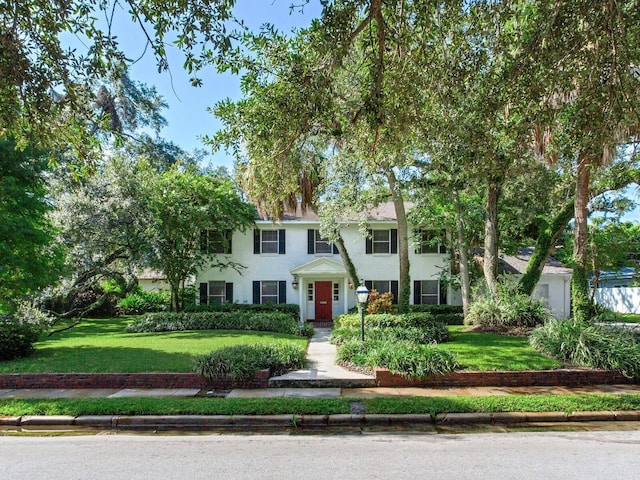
pixel 215 241
pixel 429 241
pixel 316 244
pixel 269 241
pixel 382 241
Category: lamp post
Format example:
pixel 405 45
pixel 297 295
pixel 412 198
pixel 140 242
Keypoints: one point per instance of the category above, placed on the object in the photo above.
pixel 362 292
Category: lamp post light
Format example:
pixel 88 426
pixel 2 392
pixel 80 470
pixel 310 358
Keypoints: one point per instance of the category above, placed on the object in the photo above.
pixel 362 292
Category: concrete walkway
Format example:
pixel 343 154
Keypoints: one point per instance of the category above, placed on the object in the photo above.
pixel 322 370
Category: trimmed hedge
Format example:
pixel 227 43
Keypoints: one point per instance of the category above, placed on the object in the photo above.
pixel 142 301
pixel 290 308
pixel 401 357
pixel 435 333
pixel 265 322
pixel 436 309
pixel 16 338
pixel 386 320
pixel 241 362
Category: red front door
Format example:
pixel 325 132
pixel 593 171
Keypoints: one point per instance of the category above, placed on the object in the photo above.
pixel 323 300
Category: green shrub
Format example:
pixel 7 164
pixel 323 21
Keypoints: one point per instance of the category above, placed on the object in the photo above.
pixel 290 308
pixel 17 338
pixel 436 309
pixel 241 362
pixel 386 320
pixel 170 322
pixel 435 333
pixel 401 357
pixel 589 345
pixel 509 310
pixel 142 301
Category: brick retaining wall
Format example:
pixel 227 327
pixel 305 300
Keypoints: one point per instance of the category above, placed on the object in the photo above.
pixel 126 380
pixel 527 378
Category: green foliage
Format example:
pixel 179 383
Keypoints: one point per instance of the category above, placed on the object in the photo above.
pixel 589 345
pixel 290 308
pixel 380 302
pixel 30 256
pixel 238 320
pixel 17 338
pixel 449 314
pixel 509 310
pixel 405 358
pixel 142 301
pixel 435 333
pixel 241 362
pixel 385 320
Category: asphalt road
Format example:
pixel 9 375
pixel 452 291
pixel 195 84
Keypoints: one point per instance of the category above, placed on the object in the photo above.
pixel 551 455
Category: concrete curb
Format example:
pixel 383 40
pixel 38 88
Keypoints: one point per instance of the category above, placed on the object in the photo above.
pixel 204 422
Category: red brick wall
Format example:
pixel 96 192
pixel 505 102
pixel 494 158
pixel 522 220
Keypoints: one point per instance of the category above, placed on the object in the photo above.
pixel 126 380
pixel 563 377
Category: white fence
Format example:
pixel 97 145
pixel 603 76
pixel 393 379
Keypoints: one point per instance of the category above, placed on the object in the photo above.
pixel 619 299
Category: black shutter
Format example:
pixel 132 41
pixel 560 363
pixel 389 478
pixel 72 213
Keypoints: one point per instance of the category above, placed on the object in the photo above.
pixel 443 294
pixel 282 291
pixel 228 297
pixel 256 241
pixel 418 242
pixel 281 242
pixel 394 291
pixel 203 241
pixel 256 291
pixel 335 249
pixel 311 241
pixel 229 238
pixel 369 243
pixel 368 284
pixel 442 246
pixel 394 240
pixel 417 292
pixel 204 291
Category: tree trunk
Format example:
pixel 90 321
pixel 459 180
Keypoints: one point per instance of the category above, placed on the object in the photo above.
pixel 346 260
pixel 490 264
pixel 579 287
pixel 404 290
pixel 463 252
pixel 545 243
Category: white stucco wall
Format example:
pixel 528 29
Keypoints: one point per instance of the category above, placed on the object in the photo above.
pixel 261 267
pixel 555 290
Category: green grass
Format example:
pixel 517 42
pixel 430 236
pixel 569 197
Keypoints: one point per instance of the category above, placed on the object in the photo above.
pixel 101 345
pixel 630 317
pixel 485 352
pixel 318 406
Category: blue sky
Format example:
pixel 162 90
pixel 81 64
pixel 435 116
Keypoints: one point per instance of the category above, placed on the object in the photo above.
pixel 187 114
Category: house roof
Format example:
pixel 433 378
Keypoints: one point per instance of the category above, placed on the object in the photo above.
pixel 383 212
pixel 518 263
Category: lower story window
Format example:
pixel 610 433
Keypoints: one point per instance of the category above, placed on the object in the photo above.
pixel 269 291
pixel 384 286
pixel 426 292
pixel 216 292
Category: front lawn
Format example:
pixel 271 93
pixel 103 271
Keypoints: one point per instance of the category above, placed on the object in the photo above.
pixel 102 346
pixel 486 351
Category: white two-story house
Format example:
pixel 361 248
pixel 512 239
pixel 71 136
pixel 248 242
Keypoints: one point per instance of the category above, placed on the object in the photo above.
pixel 289 262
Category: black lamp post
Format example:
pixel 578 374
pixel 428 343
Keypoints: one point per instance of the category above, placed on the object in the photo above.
pixel 362 293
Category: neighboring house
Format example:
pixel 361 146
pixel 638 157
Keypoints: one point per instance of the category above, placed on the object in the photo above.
pixel 616 292
pixel 150 280
pixel 554 286
pixel 289 262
